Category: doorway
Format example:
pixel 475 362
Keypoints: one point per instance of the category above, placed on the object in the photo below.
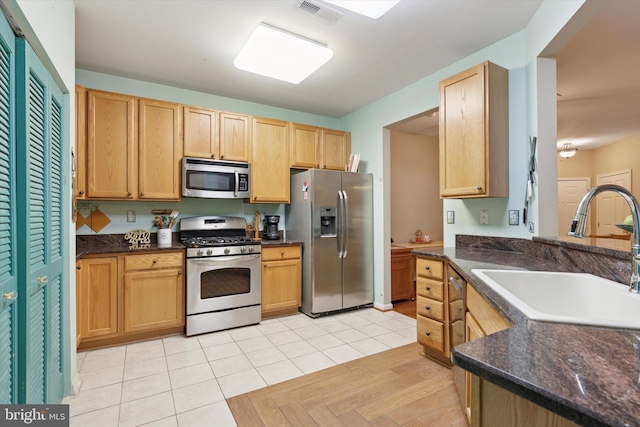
pixel 570 192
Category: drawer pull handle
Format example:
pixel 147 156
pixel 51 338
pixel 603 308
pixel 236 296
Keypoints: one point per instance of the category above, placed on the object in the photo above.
pixel 427 268
pixel 427 333
pixel 282 253
pixel 428 288
pixel 155 261
pixel 426 307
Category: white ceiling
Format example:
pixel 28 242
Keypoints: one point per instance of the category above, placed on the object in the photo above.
pixel 192 44
pixel 598 75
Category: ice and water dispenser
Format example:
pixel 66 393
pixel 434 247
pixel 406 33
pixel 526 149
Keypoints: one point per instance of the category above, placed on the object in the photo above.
pixel 327 222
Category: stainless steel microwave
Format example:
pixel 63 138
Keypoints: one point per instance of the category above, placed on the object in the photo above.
pixel 215 179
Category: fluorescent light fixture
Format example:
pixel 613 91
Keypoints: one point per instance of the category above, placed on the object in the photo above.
pixel 373 9
pixel 281 55
pixel 568 150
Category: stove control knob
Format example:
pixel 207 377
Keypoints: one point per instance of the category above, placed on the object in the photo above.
pixel 199 252
pixel 226 251
pixel 250 249
pixel 209 251
pixel 243 250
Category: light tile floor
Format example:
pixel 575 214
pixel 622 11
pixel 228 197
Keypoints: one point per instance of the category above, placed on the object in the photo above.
pixel 184 381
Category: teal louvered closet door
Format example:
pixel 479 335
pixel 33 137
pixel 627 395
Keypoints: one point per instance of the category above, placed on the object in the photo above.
pixel 8 261
pixel 40 228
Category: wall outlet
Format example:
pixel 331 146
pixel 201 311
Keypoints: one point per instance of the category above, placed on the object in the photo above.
pixel 131 216
pixel 484 217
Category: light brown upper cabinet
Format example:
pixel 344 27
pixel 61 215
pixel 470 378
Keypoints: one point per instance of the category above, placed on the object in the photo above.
pixel 111 146
pixel 160 150
pixel 80 150
pixel 270 165
pixel 216 135
pixel 134 147
pixel 474 133
pixel 305 141
pixel 314 147
pixel 336 148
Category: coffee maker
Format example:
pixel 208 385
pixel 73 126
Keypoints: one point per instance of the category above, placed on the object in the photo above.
pixel 270 231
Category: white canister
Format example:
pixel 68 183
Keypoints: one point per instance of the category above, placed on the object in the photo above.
pixel 164 237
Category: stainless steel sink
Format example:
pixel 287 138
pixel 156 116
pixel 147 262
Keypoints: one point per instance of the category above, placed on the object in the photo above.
pixel 576 298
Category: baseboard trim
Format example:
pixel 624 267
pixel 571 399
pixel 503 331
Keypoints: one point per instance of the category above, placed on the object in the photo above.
pixel 382 307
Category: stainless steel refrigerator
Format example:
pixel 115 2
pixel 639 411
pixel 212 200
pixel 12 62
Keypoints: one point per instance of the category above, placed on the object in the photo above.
pixel 332 213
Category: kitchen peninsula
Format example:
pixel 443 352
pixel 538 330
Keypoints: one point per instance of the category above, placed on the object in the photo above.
pixel 588 375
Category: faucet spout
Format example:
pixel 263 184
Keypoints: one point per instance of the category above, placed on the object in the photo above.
pixel 579 224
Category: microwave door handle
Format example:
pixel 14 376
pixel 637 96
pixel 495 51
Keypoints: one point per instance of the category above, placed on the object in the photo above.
pixel 237 183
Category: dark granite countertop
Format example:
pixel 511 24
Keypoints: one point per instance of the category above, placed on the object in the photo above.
pixel 104 244
pixel 589 375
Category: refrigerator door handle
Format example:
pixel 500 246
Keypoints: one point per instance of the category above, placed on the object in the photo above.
pixel 340 229
pixel 345 220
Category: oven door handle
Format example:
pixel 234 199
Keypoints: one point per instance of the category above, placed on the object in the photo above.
pixel 217 259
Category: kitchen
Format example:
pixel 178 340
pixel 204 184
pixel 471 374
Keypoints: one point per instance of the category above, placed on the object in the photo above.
pixel 364 128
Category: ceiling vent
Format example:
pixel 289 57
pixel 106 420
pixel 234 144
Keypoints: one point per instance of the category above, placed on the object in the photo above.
pixel 318 10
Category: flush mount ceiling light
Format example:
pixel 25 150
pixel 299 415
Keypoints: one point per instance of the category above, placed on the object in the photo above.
pixel 281 55
pixel 567 150
pixel 373 9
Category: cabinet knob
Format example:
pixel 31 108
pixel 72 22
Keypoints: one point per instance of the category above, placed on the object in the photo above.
pixel 10 295
pixel 427 333
pixel 129 193
pixel 282 253
pixel 155 261
pixel 479 187
pixel 428 288
pixel 79 267
pixel 141 194
pixel 427 268
pixel 213 156
pixel 426 307
pixel 179 273
pixel 81 192
pixel 222 156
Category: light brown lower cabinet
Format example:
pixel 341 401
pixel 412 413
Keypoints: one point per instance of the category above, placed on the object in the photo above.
pixel 281 280
pixel 489 405
pixel 123 298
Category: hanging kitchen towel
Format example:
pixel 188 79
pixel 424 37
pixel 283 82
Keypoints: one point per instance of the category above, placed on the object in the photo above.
pixel 80 221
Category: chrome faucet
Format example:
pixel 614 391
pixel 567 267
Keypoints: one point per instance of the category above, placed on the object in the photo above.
pixel 580 222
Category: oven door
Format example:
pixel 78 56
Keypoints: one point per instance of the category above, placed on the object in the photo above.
pixel 222 283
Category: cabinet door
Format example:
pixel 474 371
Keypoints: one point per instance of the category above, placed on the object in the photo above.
pixel 200 133
pixel 281 284
pixel 270 166
pixel 160 150
pixel 235 137
pixel 8 216
pixel 474 133
pixel 80 152
pixel 97 296
pixel 111 146
pixel 336 148
pixel 304 146
pixel 153 300
pixel 401 277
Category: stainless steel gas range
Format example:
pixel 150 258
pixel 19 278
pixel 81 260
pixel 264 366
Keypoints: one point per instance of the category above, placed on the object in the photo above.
pixel 223 274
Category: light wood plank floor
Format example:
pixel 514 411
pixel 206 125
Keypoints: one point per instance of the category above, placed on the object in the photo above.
pixel 398 387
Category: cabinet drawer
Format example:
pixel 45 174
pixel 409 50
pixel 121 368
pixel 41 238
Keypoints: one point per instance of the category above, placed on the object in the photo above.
pixel 430 308
pixel 430 333
pixel 153 261
pixel 281 252
pixel 429 268
pixel 429 289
